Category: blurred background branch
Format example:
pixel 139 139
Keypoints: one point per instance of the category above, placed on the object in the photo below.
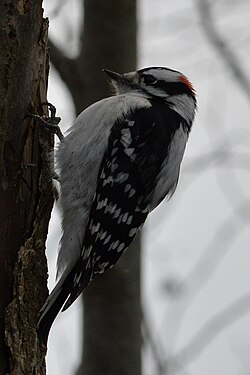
pixel 222 47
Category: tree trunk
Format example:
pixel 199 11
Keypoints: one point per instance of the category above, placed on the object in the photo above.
pixel 112 316
pixel 25 186
pixel 112 309
pixel 112 319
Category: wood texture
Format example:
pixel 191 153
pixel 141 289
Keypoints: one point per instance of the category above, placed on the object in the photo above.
pixel 25 185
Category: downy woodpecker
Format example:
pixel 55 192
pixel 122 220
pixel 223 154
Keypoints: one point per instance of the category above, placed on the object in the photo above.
pixel 120 159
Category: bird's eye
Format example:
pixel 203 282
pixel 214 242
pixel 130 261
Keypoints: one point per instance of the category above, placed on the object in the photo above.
pixel 149 80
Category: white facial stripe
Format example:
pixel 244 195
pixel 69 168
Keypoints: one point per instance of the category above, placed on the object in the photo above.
pixel 164 74
pixel 156 91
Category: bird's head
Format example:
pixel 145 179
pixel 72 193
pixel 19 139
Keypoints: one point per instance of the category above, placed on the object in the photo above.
pixel 158 83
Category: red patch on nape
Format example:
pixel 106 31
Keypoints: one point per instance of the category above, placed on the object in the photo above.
pixel 187 83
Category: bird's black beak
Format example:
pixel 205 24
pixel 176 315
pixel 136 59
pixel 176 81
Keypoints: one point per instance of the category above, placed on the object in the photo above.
pixel 122 82
pixel 119 78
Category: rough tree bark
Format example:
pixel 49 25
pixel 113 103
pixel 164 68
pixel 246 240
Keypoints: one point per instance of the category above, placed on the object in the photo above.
pixel 25 185
pixel 112 310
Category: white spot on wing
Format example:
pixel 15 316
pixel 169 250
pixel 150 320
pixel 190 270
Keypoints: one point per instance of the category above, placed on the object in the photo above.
pixel 131 123
pixel 117 213
pixel 132 232
pixel 129 151
pixel 107 239
pixel 113 208
pixel 114 167
pixel 103 235
pixel 99 205
pixel 102 267
pixel 130 218
pixel 120 219
pixel 107 180
pixel 131 193
pixel 121 247
pixel 125 216
pixel 122 177
pixel 115 244
pixel 86 252
pixel 127 188
pixel 114 151
pixel 126 138
pixel 95 228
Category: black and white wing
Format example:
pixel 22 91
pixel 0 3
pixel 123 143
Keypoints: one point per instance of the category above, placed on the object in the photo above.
pixel 126 190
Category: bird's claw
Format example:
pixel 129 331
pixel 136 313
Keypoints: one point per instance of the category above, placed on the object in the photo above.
pixel 51 122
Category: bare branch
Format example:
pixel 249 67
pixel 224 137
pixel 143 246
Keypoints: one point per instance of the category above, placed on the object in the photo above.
pixel 195 281
pixel 221 46
pixel 213 328
pixel 207 333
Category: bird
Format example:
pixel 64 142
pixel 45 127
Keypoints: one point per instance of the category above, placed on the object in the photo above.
pixel 119 160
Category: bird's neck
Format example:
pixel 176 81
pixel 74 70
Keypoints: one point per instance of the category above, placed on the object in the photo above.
pixel 184 105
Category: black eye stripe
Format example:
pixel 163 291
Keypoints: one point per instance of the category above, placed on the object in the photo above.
pixel 176 87
pixel 173 88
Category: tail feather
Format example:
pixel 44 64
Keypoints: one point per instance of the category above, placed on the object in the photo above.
pixel 53 305
pixel 79 286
